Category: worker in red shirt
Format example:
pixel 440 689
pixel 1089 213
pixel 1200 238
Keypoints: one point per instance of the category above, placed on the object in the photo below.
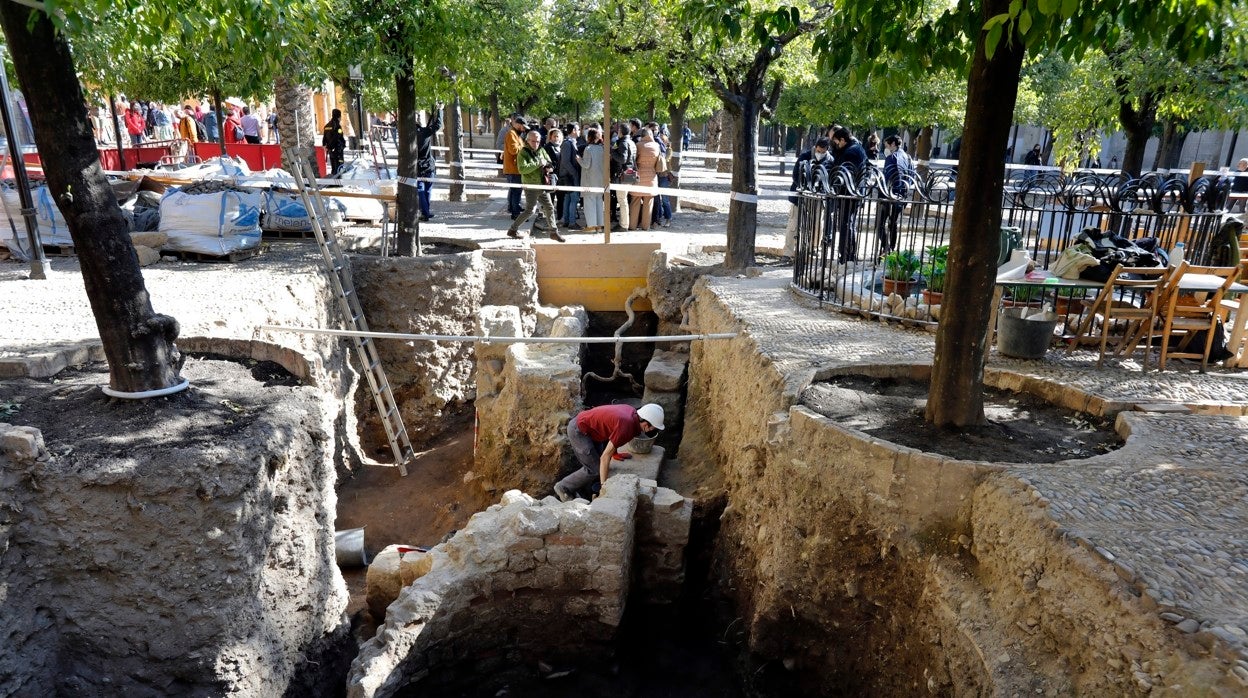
pixel 596 434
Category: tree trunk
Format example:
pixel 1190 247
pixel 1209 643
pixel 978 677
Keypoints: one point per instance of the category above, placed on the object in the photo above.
pixel 407 210
pixel 1138 124
pixel 353 114
pixel 296 119
pixel 455 147
pixel 923 147
pixel 957 388
pixel 743 215
pixel 496 120
pixel 1170 149
pixel 728 139
pixel 138 342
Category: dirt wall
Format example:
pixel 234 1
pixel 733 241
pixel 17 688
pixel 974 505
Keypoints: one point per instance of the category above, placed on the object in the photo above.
pixel 436 294
pixel 863 567
pixel 184 546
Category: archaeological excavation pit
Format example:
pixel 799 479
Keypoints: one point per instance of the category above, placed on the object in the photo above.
pixel 775 552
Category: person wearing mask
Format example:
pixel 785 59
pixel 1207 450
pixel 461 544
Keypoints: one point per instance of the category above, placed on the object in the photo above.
pixel 511 151
pixel 232 129
pixel 647 171
pixel 592 176
pixel 662 207
pixel 185 126
pixel 135 123
pixel 810 172
pixel 536 169
pixel 569 174
pixel 596 435
pixel 552 142
pixel 1239 187
pixel 899 174
pixel 333 140
pixel 426 163
pixel 850 157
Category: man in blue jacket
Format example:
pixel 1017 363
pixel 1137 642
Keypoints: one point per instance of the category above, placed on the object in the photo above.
pixel 426 163
pixel 850 157
pixel 899 174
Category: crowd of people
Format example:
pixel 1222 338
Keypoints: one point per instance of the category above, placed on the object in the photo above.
pixel 548 153
pixel 141 121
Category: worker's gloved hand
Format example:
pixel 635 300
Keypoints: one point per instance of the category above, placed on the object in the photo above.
pixel 621 456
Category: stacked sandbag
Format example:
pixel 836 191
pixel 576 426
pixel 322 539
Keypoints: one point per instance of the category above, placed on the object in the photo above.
pixel 286 212
pixel 355 208
pixel 210 217
pixel 52 228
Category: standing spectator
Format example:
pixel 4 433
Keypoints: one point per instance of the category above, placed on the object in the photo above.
pixel 592 161
pixel 570 174
pixel 1239 187
pixel 647 170
pixel 535 167
pixel 1033 156
pixel 210 125
pixel 685 139
pixel 500 139
pixel 553 143
pixel 623 159
pixel 251 126
pixel 817 171
pixel 899 173
pixel 334 141
pixel 511 170
pixel 163 128
pixel 232 129
pixel 185 126
pixel 849 156
pixel 662 208
pixel 135 123
pixel 426 163
pixel 873 146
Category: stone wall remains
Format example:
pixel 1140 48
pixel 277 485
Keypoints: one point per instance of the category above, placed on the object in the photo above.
pixel 437 294
pixel 526 394
pixel 525 581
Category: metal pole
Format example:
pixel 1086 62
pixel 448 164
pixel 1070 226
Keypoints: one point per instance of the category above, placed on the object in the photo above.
pixel 39 267
pixel 606 162
pixel 121 147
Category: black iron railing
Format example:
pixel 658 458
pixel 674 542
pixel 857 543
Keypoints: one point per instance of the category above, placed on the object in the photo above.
pixel 843 227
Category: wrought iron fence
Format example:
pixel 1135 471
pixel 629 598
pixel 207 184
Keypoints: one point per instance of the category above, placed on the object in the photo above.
pixel 849 221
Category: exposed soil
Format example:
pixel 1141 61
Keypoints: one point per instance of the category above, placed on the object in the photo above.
pixel 427 249
pixel 1021 428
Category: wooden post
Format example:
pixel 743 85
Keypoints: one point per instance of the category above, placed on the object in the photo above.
pixel 1184 225
pixel 606 162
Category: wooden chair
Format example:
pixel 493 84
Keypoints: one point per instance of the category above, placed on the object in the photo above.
pixel 1187 314
pixel 1237 344
pixel 1132 294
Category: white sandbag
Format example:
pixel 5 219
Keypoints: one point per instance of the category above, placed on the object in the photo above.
pixel 213 168
pixel 215 224
pixel 354 208
pixel 359 168
pixel 52 228
pixel 286 212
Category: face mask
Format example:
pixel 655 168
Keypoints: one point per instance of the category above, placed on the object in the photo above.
pixel 820 156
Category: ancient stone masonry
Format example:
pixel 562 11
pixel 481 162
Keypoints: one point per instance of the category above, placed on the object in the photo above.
pixel 665 383
pixel 173 568
pixel 437 294
pixel 524 581
pixel 526 394
pixel 851 557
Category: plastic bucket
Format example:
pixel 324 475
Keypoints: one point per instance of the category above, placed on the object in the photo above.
pixel 349 548
pixel 1026 333
pixel 641 444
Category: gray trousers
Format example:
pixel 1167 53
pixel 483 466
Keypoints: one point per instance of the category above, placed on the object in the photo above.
pixel 588 455
pixel 532 199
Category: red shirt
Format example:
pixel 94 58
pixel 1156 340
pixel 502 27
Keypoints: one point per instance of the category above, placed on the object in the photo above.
pixel 618 424
pixel 233 122
pixel 135 123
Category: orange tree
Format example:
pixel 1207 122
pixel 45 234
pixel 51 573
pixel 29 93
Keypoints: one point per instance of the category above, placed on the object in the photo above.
pixel 990 40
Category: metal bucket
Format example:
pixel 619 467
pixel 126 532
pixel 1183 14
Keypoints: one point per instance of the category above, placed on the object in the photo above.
pixel 349 548
pixel 1026 336
pixel 641 444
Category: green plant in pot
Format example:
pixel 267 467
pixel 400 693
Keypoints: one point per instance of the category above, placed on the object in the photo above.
pixel 1024 295
pixel 900 266
pixel 938 256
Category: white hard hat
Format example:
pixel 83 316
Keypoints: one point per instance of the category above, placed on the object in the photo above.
pixel 651 413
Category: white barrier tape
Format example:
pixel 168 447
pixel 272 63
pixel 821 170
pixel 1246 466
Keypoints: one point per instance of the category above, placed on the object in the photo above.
pixel 624 188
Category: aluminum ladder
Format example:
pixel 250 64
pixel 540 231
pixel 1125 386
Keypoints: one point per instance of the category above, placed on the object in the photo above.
pixel 377 149
pixel 349 304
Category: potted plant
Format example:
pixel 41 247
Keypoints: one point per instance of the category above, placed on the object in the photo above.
pixel 938 255
pixel 899 270
pixel 1023 296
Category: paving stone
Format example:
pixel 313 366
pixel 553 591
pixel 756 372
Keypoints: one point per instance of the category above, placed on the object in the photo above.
pixel 666 371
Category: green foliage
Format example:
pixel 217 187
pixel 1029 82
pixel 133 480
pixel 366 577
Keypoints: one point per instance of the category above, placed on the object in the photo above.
pixel 938 257
pixel 901 265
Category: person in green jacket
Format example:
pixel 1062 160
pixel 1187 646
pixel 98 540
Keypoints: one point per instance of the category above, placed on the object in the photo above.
pixel 535 166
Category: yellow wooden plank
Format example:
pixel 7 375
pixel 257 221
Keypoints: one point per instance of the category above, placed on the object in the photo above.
pixel 587 260
pixel 595 294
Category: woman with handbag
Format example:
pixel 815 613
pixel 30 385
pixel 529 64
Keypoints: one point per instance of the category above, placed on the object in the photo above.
pixel 648 157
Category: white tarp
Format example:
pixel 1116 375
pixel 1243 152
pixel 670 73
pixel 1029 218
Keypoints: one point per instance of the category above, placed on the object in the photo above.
pixel 355 208
pixel 214 224
pixel 52 228
pixel 286 212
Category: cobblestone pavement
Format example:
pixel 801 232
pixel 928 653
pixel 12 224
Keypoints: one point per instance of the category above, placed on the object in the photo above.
pixel 1169 510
